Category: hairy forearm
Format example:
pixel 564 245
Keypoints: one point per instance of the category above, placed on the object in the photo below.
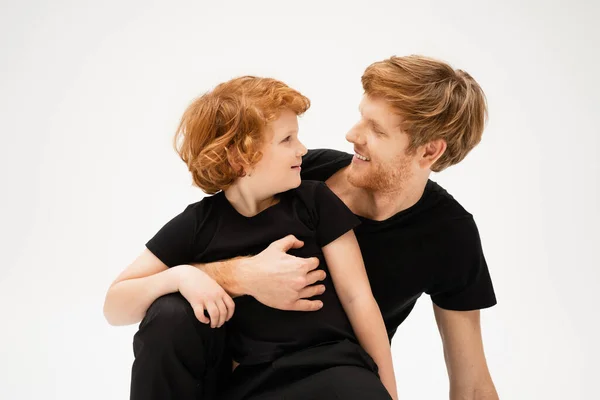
pixel 127 301
pixel 484 391
pixel 227 274
pixel 273 277
pixel 368 325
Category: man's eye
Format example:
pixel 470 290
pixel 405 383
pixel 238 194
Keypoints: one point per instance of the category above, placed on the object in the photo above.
pixel 375 130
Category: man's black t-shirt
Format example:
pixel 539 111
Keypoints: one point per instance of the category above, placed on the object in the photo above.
pixel 212 230
pixel 432 247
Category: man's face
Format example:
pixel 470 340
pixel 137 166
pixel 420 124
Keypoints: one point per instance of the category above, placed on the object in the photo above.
pixel 380 162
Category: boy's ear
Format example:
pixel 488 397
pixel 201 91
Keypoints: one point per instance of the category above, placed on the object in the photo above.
pixel 234 159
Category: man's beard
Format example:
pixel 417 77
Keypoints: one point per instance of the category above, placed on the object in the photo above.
pixel 378 177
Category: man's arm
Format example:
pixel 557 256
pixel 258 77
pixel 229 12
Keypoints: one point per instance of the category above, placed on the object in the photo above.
pixel 224 273
pixel 463 351
pixel 272 277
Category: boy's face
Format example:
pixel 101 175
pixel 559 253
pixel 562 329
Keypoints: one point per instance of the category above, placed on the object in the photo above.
pixel 279 168
pixel 381 161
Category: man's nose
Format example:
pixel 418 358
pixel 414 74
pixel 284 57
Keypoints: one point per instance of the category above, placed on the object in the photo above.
pixel 355 135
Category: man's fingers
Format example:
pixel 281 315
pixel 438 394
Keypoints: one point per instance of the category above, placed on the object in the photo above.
pixel 311 263
pixel 213 311
pixel 288 242
pixel 307 305
pixel 315 276
pixel 311 291
pixel 199 312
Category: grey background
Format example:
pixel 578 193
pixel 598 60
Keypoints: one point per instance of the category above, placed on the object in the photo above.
pixel 90 96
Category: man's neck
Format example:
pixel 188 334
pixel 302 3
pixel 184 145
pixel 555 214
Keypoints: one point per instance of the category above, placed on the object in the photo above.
pixel 377 205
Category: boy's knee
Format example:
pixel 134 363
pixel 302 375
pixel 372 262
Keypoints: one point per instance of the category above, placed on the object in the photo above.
pixel 171 328
pixel 170 318
pixel 170 309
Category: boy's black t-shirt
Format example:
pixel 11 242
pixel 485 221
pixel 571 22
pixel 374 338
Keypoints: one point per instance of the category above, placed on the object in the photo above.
pixel 212 230
pixel 433 247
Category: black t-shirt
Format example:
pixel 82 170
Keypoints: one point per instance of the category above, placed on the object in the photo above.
pixel 212 230
pixel 432 247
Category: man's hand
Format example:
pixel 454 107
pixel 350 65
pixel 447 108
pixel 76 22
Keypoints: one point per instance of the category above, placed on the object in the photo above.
pixel 280 280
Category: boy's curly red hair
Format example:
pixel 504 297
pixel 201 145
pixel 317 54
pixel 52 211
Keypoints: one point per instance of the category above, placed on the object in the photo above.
pixel 225 128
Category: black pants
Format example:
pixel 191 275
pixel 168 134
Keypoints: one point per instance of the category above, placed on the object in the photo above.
pixel 179 358
pixel 176 356
pixel 337 383
pixel 334 370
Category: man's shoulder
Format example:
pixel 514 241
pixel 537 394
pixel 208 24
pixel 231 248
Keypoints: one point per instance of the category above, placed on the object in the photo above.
pixel 320 164
pixel 308 190
pixel 437 213
pixel 325 155
pixel 442 205
pixel 445 221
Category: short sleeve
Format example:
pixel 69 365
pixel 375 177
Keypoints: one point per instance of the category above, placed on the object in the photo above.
pixel 333 216
pixel 173 243
pixel 463 281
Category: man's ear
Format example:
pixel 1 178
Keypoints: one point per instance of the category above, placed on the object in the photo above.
pixel 431 152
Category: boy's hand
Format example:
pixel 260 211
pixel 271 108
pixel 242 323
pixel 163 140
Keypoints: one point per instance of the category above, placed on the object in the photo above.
pixel 203 293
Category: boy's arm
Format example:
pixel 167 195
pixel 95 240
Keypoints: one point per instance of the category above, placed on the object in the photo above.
pixel 272 277
pixel 347 270
pixel 142 282
pixel 148 278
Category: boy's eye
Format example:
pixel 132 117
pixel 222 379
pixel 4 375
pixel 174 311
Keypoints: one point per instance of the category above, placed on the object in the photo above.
pixel 287 139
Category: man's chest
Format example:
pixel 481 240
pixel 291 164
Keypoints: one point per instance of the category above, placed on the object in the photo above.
pixel 398 265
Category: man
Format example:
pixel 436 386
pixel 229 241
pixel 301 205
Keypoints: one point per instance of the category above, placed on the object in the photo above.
pixel 418 115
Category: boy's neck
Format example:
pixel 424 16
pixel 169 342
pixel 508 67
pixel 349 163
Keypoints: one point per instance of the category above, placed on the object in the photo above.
pixel 246 201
